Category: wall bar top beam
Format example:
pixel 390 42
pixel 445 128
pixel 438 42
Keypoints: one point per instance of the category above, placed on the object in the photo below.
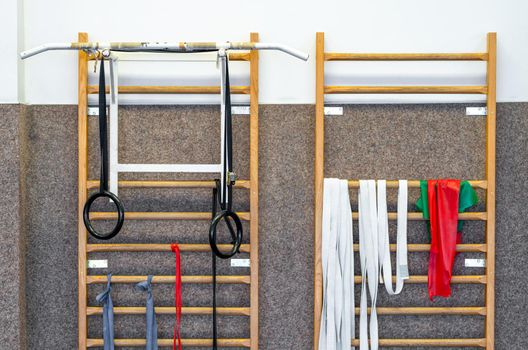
pixel 344 56
pixel 487 184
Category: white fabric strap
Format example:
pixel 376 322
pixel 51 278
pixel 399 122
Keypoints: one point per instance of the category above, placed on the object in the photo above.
pixel 347 269
pixel 337 319
pixel 401 253
pixel 402 270
pixel 368 252
pixel 374 251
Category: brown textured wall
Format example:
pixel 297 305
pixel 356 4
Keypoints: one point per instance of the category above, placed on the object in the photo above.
pixel 408 141
pixel 12 228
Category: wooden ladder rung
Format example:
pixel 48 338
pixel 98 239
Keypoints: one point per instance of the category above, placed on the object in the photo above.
pixel 170 310
pixel 245 248
pixel 477 248
pixel 161 215
pixel 345 56
pixel 461 279
pixel 417 216
pixel 97 279
pixel 143 89
pixel 140 247
pixel 482 184
pixel 243 342
pixel 465 342
pixel 463 310
pixel 333 89
pixel 169 184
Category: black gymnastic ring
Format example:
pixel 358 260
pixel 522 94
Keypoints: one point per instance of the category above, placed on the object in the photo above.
pixel 224 214
pixel 120 214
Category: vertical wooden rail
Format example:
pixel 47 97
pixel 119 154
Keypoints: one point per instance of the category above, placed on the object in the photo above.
pixel 254 192
pixel 318 185
pixel 490 198
pixel 82 116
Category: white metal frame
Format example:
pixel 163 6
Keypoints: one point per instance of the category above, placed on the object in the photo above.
pixel 115 167
pixel 112 49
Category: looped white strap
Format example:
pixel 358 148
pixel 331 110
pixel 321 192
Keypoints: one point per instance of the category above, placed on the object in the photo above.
pixel 402 270
pixel 368 252
pixel 337 319
pixel 374 251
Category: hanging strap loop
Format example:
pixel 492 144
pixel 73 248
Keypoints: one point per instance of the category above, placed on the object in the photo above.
pixel 368 252
pixel 402 270
pixel 224 188
pixel 337 317
pixel 103 177
pixel 177 344
pixel 374 250
pixel 443 200
pixel 108 314
pixel 152 326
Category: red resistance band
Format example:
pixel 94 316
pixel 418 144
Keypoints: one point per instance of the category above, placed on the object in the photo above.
pixel 443 211
pixel 177 297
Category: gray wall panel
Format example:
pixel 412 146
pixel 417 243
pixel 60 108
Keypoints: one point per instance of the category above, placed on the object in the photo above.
pixel 379 141
pixel 12 228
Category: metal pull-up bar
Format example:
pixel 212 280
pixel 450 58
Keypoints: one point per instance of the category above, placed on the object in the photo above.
pixel 164 47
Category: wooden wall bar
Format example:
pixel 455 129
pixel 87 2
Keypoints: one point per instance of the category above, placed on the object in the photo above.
pixel 251 184
pixel 488 185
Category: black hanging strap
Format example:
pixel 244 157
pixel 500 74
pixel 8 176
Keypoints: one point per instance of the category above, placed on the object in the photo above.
pixel 225 200
pixel 226 214
pixel 103 176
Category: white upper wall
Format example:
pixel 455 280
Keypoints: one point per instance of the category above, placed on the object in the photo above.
pixel 349 25
pixel 9 47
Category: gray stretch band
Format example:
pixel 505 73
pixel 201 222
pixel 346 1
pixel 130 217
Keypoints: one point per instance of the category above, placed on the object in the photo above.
pixel 108 315
pixel 152 327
